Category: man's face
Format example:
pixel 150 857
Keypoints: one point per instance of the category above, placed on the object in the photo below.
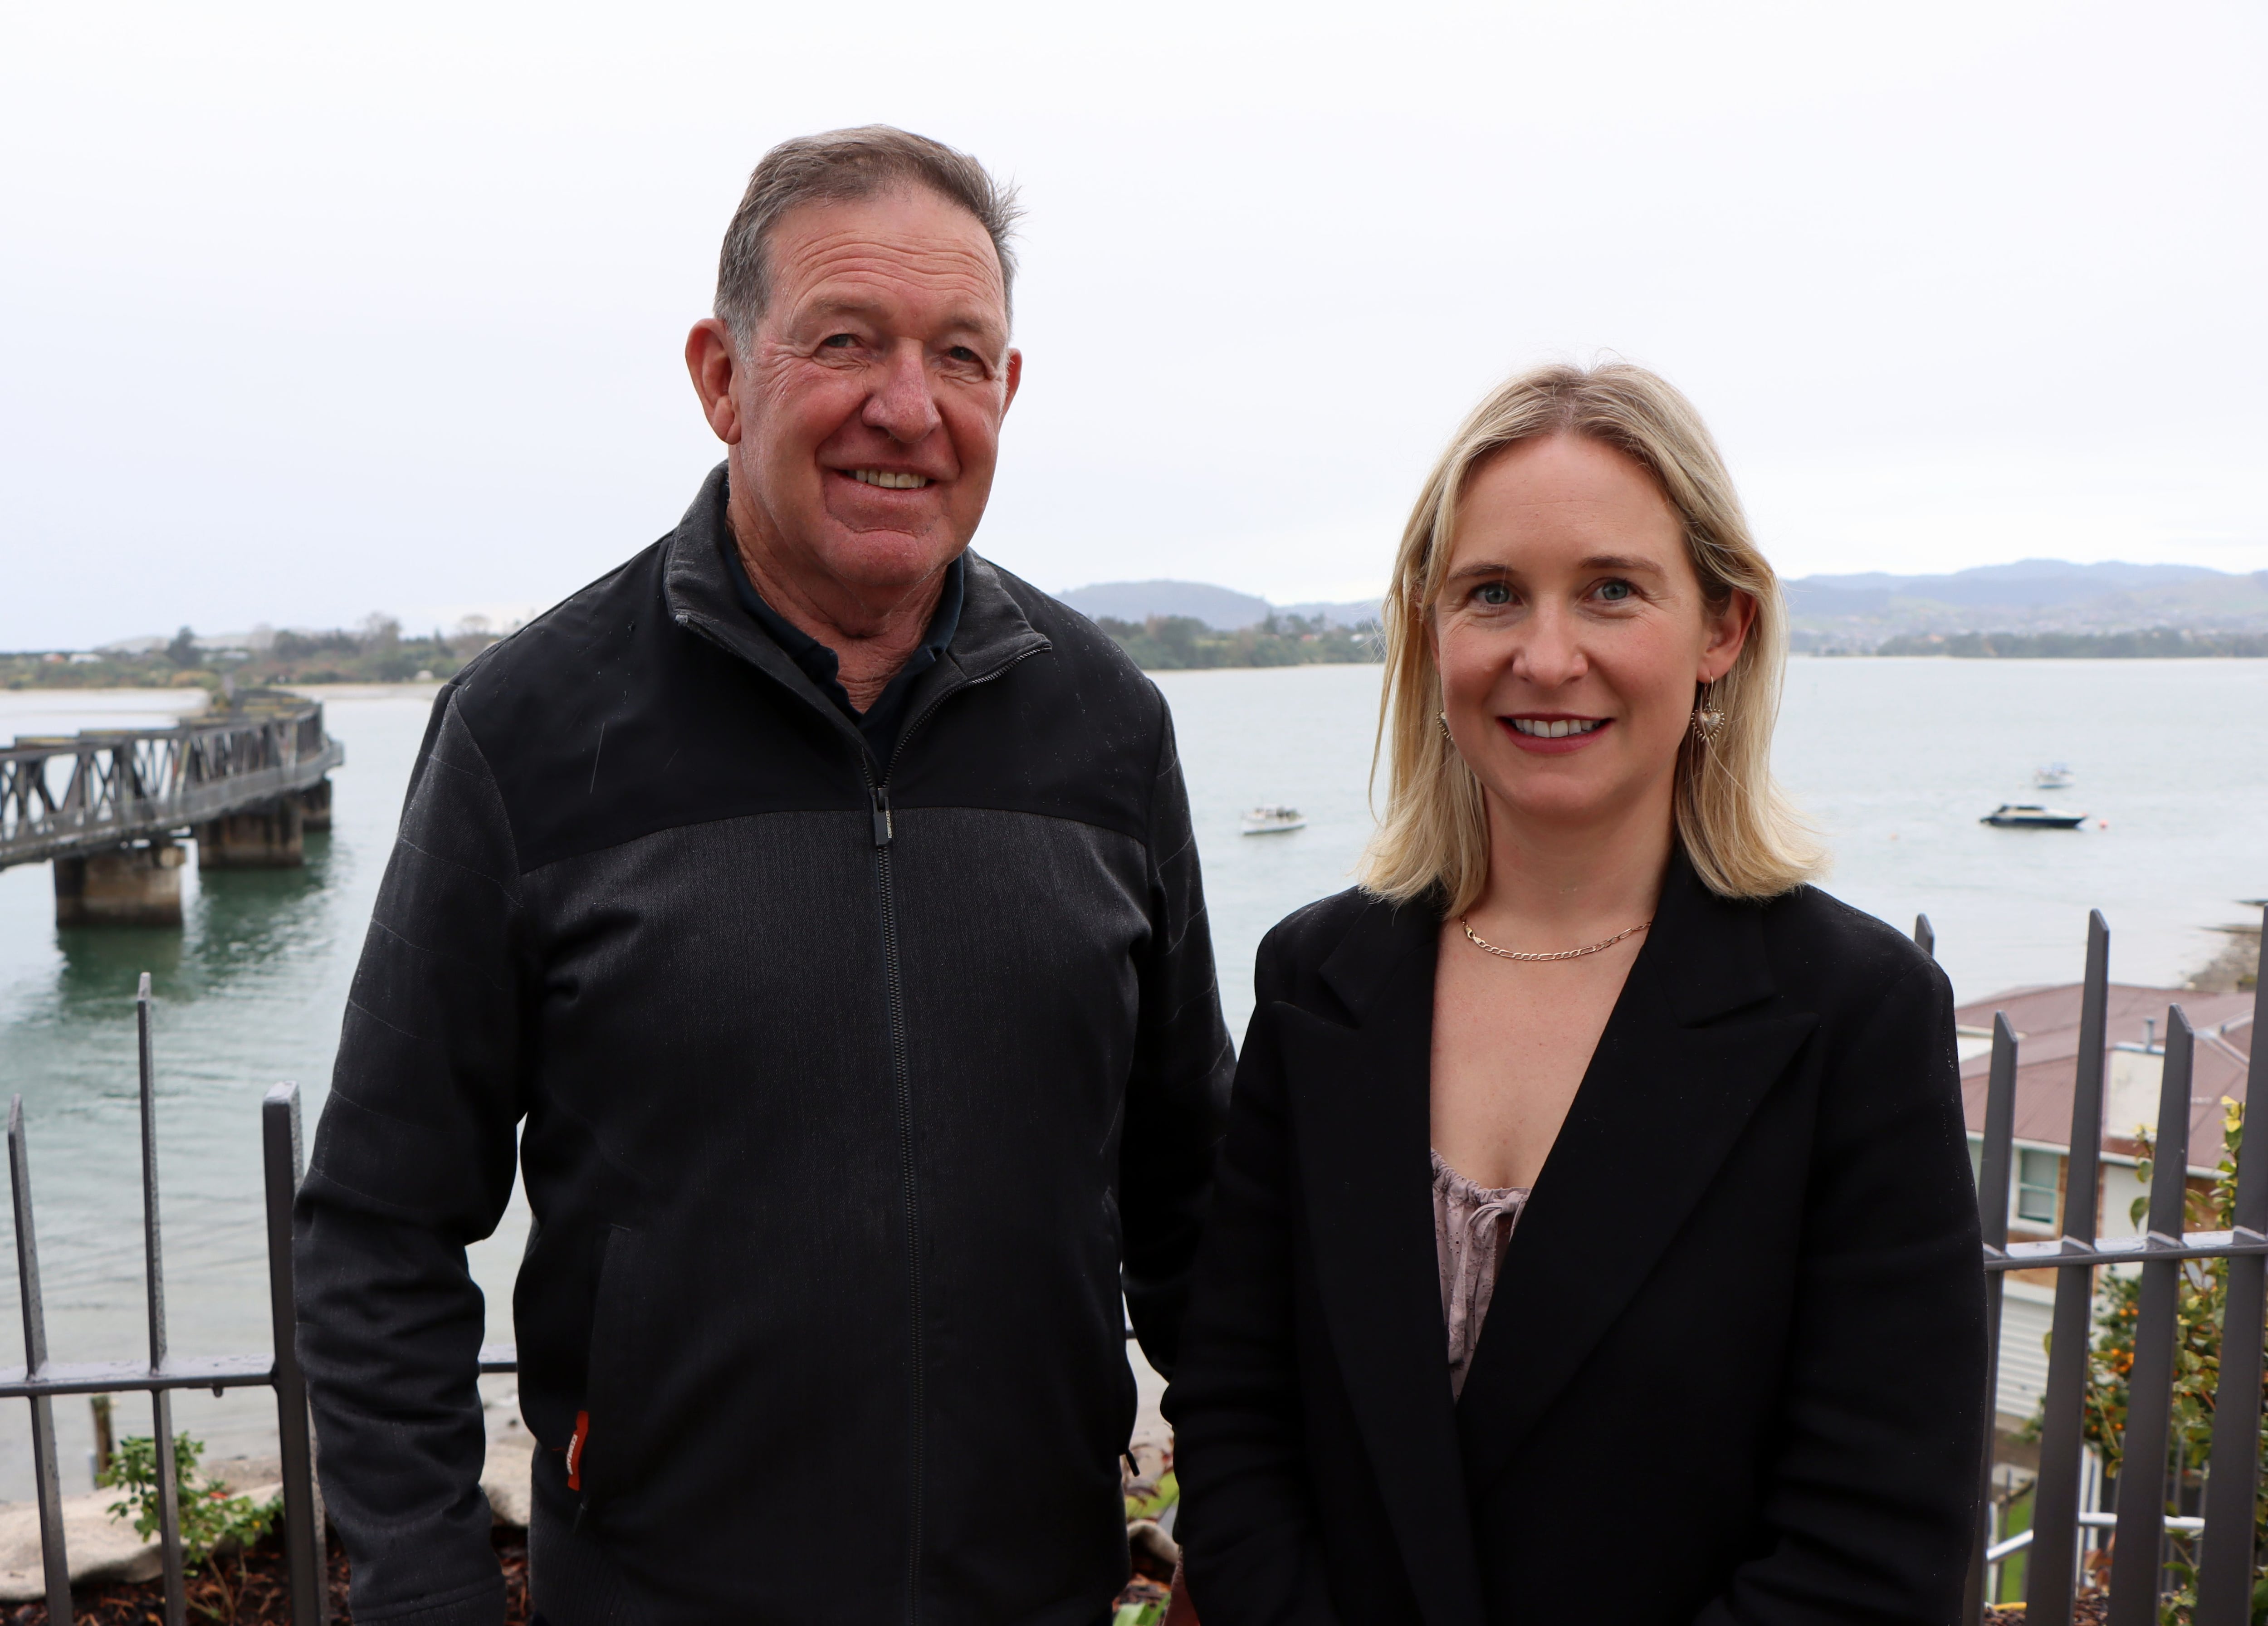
pixel 865 418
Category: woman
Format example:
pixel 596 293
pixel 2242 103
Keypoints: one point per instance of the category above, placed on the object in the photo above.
pixel 1595 1239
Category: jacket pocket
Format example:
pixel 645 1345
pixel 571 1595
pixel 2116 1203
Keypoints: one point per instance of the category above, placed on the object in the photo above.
pixel 600 1450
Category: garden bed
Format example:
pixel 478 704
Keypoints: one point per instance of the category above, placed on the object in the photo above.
pixel 263 1597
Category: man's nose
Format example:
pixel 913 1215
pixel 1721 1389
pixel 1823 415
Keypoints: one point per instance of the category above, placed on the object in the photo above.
pixel 901 405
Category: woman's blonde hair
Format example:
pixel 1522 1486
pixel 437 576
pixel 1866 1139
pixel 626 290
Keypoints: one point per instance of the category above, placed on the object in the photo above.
pixel 1742 837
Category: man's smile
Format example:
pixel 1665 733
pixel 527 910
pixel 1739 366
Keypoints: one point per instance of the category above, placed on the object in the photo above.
pixel 888 478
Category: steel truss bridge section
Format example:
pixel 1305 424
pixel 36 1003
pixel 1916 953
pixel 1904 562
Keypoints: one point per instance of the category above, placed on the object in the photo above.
pixel 68 796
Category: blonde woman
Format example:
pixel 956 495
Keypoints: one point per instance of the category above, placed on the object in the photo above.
pixel 1595 1239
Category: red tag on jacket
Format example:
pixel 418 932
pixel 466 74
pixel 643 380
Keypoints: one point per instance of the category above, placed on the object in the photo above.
pixel 575 1450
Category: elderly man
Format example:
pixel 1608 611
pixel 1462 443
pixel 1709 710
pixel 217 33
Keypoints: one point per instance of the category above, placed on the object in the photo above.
pixel 818 902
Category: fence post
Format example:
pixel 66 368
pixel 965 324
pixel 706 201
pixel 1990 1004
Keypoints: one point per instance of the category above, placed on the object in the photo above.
pixel 161 1400
pixel 2051 1570
pixel 1992 1217
pixel 303 1519
pixel 45 1478
pixel 2232 1484
pixel 2141 1530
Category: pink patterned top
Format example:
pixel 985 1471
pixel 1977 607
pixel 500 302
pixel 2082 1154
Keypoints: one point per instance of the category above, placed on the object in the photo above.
pixel 1472 1225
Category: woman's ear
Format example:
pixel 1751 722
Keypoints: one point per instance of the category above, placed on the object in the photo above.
pixel 1727 635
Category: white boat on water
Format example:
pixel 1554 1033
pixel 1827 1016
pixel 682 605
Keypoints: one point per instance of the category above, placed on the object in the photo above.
pixel 2054 777
pixel 2032 816
pixel 1273 821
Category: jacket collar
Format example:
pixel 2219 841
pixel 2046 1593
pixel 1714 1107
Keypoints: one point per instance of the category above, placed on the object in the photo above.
pixel 1697 1038
pixel 1361 1107
pixel 697 587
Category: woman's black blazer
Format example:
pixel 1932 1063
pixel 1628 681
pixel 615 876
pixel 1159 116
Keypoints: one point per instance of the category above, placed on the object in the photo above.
pixel 1733 1371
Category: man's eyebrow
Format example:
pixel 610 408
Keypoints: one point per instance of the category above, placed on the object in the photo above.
pixel 850 305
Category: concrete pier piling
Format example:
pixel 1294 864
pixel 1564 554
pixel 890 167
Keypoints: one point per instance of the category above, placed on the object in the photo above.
pixel 259 838
pixel 135 886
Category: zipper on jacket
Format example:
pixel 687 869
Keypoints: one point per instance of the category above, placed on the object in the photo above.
pixel 877 795
pixel 902 1077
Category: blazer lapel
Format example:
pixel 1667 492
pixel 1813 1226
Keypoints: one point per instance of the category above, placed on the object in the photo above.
pixel 1361 1116
pixel 1696 1042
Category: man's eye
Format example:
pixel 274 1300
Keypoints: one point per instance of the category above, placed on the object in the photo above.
pixel 962 353
pixel 838 341
pixel 1492 593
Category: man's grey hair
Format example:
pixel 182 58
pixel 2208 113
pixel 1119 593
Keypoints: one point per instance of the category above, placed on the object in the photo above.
pixel 843 166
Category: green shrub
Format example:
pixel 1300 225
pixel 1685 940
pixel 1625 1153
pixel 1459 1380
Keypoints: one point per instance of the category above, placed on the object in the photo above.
pixel 214 1524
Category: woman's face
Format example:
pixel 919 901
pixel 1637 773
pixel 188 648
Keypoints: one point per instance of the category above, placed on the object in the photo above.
pixel 1570 630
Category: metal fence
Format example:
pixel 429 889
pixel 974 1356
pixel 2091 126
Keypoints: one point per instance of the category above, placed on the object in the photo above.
pixel 40 1380
pixel 2224 1555
pixel 2140 1524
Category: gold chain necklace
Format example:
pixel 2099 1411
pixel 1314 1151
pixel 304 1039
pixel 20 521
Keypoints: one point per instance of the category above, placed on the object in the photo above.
pixel 1487 947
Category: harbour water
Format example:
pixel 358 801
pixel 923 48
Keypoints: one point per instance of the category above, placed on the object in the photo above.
pixel 1894 760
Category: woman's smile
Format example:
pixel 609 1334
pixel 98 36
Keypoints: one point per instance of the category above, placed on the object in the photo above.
pixel 1553 733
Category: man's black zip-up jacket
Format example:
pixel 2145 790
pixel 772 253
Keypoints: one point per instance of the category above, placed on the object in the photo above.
pixel 851 1096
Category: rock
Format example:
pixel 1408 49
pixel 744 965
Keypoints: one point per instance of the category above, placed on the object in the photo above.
pixel 507 1476
pixel 100 1548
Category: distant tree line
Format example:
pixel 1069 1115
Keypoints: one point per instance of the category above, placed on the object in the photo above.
pixel 2152 642
pixel 375 652
pixel 1182 642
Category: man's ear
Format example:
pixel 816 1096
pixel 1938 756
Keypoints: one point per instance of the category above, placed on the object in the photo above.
pixel 1016 377
pixel 710 356
pixel 1729 634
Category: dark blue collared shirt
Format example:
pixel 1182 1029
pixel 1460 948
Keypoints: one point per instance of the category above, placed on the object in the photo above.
pixel 881 722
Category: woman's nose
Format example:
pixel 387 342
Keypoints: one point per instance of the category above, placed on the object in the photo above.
pixel 1551 654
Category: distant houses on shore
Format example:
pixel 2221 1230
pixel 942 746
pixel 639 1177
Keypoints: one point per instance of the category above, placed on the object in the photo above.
pixel 2032 610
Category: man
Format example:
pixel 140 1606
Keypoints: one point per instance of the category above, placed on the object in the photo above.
pixel 820 899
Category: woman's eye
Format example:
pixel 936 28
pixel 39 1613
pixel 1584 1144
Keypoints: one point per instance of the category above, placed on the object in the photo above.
pixel 1492 593
pixel 1615 592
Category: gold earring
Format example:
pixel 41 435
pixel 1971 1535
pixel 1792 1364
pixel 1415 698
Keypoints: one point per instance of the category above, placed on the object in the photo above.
pixel 1708 717
pixel 1442 717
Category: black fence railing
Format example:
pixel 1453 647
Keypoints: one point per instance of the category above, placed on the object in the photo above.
pixel 2225 1559
pixel 2223 1538
pixel 40 1380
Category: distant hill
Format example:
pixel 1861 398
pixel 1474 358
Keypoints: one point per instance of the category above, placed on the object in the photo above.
pixel 1221 608
pixel 1851 612
pixel 2031 596
pixel 1352 613
pixel 1224 610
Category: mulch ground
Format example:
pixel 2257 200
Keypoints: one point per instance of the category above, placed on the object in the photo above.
pixel 263 1596
pixel 2091 1608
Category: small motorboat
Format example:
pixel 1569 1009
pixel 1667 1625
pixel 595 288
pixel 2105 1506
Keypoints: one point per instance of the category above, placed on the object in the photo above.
pixel 2032 816
pixel 1273 821
pixel 2054 777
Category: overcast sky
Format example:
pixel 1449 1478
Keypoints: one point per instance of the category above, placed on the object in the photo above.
pixel 305 314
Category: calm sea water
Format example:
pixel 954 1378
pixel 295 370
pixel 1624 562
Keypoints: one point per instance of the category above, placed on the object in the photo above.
pixel 1894 760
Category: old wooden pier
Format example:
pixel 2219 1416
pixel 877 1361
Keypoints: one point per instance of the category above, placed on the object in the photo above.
pixel 109 807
